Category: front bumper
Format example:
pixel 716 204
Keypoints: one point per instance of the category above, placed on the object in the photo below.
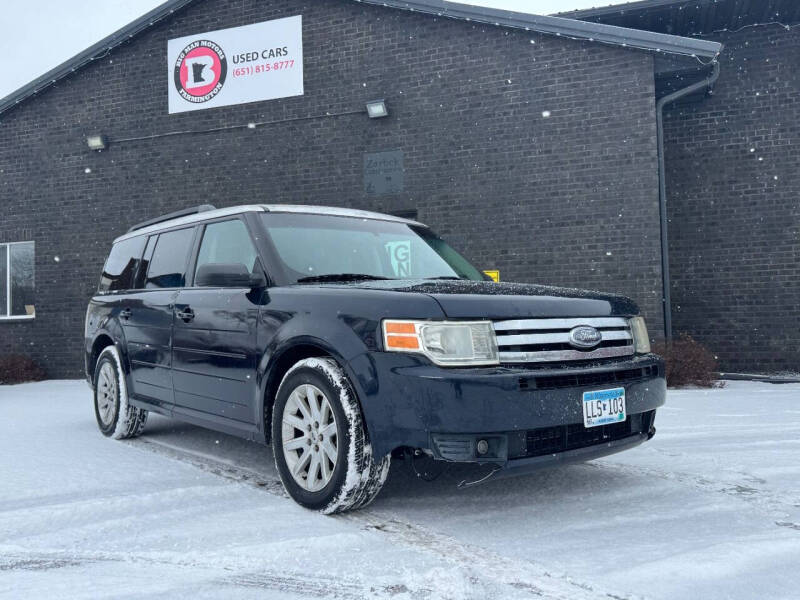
pixel 407 401
pixel 538 447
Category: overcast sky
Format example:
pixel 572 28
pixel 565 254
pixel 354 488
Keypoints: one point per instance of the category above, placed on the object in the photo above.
pixel 42 34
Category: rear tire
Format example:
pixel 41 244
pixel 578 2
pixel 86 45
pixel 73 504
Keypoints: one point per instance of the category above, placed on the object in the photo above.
pixel 115 417
pixel 322 470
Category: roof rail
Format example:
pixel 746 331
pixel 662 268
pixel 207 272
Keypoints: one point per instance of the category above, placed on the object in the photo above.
pixel 173 215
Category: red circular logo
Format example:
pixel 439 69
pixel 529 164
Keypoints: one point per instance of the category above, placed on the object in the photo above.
pixel 200 71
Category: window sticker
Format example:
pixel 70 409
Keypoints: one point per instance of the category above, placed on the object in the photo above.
pixel 400 254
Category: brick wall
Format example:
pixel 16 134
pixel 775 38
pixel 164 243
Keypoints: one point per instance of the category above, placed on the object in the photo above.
pixel 734 205
pixel 568 199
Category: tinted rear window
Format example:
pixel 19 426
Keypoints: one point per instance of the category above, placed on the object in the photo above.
pixel 168 265
pixel 121 265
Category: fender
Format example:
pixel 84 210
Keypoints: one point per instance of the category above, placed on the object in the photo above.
pixel 102 321
pixel 333 337
pixel 343 322
pixel 360 370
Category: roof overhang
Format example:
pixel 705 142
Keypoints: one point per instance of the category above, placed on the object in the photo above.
pixel 692 17
pixel 583 13
pixel 558 26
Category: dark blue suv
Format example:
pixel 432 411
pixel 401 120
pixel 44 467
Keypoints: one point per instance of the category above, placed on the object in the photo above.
pixel 342 337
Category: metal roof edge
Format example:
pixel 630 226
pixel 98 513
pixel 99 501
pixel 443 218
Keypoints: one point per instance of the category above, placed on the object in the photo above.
pixel 94 52
pixel 600 11
pixel 560 26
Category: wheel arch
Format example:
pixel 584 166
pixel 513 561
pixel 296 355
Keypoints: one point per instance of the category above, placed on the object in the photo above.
pixel 101 342
pixel 283 359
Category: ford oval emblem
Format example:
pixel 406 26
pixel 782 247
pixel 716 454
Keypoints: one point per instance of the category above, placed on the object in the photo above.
pixel 584 336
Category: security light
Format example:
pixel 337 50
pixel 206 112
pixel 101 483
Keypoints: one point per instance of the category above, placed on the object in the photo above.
pixel 97 142
pixel 377 109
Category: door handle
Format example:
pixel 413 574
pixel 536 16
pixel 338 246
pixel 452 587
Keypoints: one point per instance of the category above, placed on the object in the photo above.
pixel 125 314
pixel 186 315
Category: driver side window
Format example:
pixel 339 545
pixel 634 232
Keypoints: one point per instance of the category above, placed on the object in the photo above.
pixel 227 242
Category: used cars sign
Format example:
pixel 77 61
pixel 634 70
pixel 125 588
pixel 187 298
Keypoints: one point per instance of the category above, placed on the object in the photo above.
pixel 256 62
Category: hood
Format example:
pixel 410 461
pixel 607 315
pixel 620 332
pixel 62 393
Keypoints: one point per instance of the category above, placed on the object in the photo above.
pixel 485 299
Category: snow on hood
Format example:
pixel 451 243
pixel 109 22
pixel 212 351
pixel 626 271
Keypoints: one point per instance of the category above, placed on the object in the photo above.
pixel 467 299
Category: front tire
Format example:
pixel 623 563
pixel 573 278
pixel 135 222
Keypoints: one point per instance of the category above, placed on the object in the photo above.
pixel 115 417
pixel 319 439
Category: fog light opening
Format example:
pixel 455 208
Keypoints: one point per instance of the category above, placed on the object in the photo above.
pixel 483 447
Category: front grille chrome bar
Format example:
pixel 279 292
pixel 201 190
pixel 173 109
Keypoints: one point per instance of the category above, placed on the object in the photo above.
pixel 548 340
pixel 527 324
pixel 557 355
pixel 561 337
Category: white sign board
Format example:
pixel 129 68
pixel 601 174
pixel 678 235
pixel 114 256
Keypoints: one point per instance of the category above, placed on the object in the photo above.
pixel 256 62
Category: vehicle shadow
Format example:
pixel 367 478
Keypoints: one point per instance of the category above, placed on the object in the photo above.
pixel 413 482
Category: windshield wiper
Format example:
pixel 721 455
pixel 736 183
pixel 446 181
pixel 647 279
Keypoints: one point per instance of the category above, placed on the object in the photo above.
pixel 340 277
pixel 447 277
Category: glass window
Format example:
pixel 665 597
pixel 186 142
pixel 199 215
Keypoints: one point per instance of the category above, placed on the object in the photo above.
pixel 141 275
pixel 17 276
pixel 319 245
pixel 3 280
pixel 168 265
pixel 227 242
pixel 121 265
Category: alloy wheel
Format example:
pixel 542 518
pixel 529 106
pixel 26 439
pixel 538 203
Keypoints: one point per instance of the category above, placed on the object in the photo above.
pixel 309 437
pixel 107 394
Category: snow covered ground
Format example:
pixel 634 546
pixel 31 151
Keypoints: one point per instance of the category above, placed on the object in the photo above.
pixel 710 508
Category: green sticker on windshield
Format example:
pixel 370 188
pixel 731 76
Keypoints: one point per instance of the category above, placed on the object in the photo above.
pixel 400 254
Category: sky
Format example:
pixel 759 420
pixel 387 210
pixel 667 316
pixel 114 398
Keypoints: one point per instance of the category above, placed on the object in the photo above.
pixel 45 33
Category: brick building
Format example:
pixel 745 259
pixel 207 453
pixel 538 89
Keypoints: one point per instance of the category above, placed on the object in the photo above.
pixel 733 183
pixel 531 143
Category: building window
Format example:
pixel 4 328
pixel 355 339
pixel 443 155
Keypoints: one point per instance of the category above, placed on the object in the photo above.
pixel 17 281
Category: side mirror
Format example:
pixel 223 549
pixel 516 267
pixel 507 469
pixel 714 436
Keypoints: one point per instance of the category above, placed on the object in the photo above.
pixel 229 275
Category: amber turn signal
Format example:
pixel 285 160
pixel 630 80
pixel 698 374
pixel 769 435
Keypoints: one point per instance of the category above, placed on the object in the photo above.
pixel 402 341
pixel 400 327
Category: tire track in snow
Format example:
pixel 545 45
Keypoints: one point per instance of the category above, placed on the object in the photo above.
pixel 321 586
pixel 210 465
pixel 519 577
pixel 519 574
pixel 769 502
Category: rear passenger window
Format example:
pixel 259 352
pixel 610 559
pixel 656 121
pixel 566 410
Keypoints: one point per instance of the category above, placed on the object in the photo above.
pixel 227 242
pixel 168 265
pixel 141 276
pixel 121 265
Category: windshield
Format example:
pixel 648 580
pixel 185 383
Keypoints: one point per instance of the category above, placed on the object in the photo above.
pixel 312 247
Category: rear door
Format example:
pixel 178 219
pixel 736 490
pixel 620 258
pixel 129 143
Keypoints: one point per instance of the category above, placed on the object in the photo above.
pixel 150 314
pixel 113 301
pixel 214 349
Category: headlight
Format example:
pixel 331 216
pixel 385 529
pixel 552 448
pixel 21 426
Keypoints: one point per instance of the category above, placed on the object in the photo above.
pixel 446 343
pixel 641 339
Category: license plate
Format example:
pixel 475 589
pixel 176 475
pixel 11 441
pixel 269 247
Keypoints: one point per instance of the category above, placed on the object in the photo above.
pixel 603 407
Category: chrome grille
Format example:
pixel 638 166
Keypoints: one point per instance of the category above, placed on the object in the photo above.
pixel 547 340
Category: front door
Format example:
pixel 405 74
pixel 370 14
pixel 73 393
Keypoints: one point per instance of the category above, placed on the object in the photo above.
pixel 214 347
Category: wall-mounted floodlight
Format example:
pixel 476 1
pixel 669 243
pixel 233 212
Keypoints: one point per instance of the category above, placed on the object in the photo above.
pixel 97 142
pixel 377 109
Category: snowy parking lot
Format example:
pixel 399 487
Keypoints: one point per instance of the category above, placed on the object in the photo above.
pixel 710 508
